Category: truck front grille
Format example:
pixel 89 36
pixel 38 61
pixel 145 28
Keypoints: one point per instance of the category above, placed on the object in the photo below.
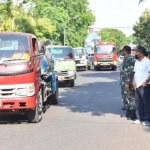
pixel 62 73
pixel 77 61
pixel 105 59
pixel 7 92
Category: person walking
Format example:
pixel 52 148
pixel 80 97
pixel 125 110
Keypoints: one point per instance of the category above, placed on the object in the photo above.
pixel 141 85
pixel 126 78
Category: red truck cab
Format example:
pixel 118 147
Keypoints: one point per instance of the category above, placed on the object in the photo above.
pixel 20 73
pixel 105 56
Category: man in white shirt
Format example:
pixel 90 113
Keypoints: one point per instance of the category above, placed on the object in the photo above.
pixel 141 84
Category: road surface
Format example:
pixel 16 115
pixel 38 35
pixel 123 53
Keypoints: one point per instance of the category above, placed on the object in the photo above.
pixel 86 118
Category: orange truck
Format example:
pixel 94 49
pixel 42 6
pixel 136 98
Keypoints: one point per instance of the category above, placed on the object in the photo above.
pixel 105 56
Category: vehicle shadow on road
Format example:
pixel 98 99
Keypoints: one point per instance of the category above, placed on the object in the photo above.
pixel 13 119
pixel 97 98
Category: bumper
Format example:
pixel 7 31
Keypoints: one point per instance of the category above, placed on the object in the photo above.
pixel 81 65
pixel 105 64
pixel 66 78
pixel 17 103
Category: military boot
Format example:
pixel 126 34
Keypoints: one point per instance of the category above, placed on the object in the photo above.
pixel 132 115
pixel 128 113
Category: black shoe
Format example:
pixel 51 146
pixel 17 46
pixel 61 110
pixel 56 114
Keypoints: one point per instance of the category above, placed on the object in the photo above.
pixel 128 113
pixel 122 116
pixel 123 108
pixel 132 115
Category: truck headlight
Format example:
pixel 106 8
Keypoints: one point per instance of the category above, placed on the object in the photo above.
pixel 31 90
pixel 22 92
pixel 28 90
pixel 71 72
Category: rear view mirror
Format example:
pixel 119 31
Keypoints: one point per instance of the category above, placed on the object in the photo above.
pixel 114 49
pixel 42 47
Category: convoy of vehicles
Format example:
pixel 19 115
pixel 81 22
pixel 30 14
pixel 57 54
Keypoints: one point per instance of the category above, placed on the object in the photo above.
pixel 27 77
pixel 105 56
pixel 65 66
pixel 30 71
pixel 81 58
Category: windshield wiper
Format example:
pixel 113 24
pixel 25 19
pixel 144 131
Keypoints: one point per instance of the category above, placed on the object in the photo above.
pixel 4 62
pixel 7 60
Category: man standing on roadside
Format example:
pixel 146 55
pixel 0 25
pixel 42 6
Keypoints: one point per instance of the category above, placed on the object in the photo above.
pixel 141 85
pixel 126 78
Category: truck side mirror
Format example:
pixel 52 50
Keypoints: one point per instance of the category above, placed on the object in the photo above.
pixel 42 47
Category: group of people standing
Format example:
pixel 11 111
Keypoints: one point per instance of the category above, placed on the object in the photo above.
pixel 135 85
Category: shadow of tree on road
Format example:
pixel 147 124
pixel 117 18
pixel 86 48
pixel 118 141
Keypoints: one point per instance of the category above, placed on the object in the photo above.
pixel 98 98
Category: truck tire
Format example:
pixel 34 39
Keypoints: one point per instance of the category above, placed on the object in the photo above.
pixel 114 68
pixel 54 97
pixel 71 83
pixel 35 116
pixel 96 69
pixel 86 67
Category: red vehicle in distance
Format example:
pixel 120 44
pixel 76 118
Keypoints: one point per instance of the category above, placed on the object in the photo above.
pixel 105 56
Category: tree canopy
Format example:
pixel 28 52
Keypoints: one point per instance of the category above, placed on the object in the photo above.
pixel 47 19
pixel 142 29
pixel 113 35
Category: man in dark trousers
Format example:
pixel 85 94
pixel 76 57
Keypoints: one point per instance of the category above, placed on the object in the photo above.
pixel 141 85
pixel 126 78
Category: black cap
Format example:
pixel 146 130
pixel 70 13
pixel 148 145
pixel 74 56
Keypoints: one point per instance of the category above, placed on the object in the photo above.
pixel 141 49
pixel 146 54
pixel 127 48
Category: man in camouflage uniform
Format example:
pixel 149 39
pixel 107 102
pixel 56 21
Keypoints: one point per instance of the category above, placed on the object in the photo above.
pixel 126 78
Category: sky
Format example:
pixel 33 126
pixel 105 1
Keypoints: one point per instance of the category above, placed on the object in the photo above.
pixel 118 13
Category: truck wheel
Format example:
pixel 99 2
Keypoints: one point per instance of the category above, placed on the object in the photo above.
pixel 96 68
pixel 114 68
pixel 35 116
pixel 89 68
pixel 72 83
pixel 54 97
pixel 86 68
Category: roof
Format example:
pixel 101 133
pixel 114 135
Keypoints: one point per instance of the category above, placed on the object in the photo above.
pixel 78 48
pixel 59 46
pixel 106 43
pixel 10 32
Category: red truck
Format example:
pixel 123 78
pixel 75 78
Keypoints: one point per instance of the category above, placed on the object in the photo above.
pixel 20 75
pixel 105 56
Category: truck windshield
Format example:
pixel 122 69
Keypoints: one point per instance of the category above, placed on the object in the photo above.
pixel 14 47
pixel 89 49
pixel 61 52
pixel 78 51
pixel 104 49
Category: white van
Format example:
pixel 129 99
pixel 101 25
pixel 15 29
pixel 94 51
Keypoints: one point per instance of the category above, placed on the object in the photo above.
pixel 81 57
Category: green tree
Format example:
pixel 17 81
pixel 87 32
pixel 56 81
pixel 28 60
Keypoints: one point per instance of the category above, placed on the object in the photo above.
pixel 113 35
pixel 142 29
pixel 24 22
pixel 47 19
pixel 133 38
pixel 60 12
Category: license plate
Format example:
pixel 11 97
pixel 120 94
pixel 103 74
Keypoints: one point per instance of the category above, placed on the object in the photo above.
pixel 105 64
pixel 61 78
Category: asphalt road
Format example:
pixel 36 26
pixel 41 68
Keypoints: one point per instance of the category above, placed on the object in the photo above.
pixel 86 118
